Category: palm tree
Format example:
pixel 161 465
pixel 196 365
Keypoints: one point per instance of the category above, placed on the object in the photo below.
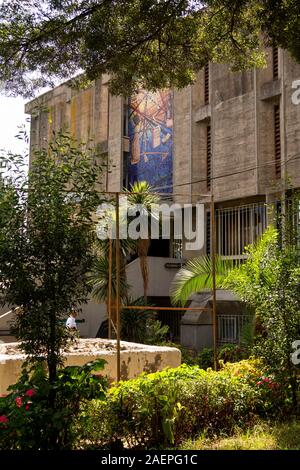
pixel 99 275
pixel 196 275
pixel 142 196
pixel 99 279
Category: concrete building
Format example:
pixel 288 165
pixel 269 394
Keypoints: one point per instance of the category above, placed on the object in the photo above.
pixel 233 135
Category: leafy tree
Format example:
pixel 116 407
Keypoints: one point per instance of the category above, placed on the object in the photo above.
pixel 46 222
pixel 146 43
pixel 269 281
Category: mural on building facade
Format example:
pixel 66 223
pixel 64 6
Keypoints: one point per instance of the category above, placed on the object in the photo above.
pixel 151 139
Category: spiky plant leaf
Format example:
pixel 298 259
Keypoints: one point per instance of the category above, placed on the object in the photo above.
pixel 195 276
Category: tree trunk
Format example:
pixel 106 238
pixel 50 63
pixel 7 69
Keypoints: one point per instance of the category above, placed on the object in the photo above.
pixel 142 250
pixel 52 362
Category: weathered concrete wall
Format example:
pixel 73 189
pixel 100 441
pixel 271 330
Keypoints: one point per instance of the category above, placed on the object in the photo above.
pixel 115 143
pixel 240 113
pixel 135 359
pixel 234 148
pixel 84 113
pixel 291 121
pixel 182 145
pixel 160 277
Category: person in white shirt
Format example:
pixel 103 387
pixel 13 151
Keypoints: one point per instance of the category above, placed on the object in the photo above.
pixel 71 321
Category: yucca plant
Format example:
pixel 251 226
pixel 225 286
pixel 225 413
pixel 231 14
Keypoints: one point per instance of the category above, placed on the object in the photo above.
pixel 196 276
pixel 142 196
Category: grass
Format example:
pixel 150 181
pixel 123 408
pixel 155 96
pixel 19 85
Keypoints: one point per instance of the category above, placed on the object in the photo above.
pixel 263 436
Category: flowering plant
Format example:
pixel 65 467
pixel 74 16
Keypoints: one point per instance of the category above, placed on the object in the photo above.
pixel 28 421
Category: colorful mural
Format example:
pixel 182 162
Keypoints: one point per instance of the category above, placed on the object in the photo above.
pixel 151 139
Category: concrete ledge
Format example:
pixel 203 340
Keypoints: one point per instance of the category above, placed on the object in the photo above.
pixel 203 113
pixel 135 359
pixel 270 90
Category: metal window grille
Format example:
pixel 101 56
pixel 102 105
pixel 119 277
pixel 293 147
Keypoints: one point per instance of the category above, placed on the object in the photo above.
pixel 275 63
pixel 237 227
pixel 208 237
pixel 206 84
pixel 231 327
pixel 277 141
pixel 208 158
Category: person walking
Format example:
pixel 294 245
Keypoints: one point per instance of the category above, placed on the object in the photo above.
pixel 71 321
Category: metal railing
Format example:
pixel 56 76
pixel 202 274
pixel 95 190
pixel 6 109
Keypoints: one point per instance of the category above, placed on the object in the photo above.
pixel 231 327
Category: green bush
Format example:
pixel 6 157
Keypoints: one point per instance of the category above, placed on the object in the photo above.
pixel 205 358
pixel 164 408
pixel 142 326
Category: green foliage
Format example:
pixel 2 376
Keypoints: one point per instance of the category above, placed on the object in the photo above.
pixel 141 326
pixel 156 332
pixel 138 43
pixel 141 194
pixel 166 407
pixel 205 358
pixel 99 279
pixel 27 420
pixel 195 276
pixel 264 435
pixel 269 281
pixel 46 227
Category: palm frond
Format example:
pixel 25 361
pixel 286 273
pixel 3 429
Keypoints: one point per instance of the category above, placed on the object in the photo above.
pixel 99 276
pixel 195 276
pixel 141 193
pixel 134 321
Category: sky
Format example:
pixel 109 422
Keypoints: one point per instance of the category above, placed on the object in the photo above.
pixel 12 115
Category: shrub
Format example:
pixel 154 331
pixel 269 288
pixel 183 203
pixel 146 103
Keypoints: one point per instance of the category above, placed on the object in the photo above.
pixel 164 408
pixel 27 421
pixel 269 282
pixel 142 326
pixel 205 358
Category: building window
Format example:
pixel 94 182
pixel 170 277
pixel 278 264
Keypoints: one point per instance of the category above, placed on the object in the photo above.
pixel 206 83
pixel 176 249
pixel 208 158
pixel 237 227
pixel 231 327
pixel 277 141
pixel 275 63
pixel 227 329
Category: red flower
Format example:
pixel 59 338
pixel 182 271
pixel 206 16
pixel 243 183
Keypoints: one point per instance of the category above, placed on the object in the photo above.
pixel 3 419
pixel 19 402
pixel 27 407
pixel 30 392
